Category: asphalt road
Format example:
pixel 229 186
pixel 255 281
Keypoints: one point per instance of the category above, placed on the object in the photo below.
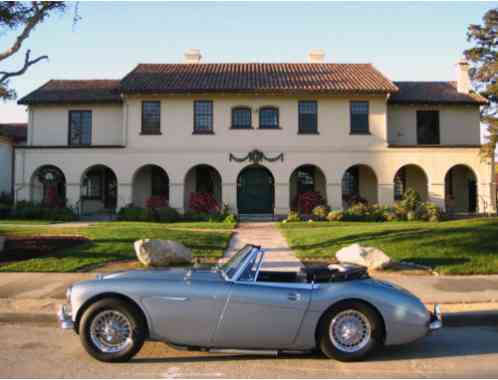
pixel 30 350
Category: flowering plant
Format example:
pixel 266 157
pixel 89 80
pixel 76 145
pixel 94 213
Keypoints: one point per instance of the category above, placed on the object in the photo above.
pixel 307 201
pixel 156 202
pixel 203 202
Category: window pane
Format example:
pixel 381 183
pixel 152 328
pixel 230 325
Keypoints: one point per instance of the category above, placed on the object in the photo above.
pixel 75 128
pixel 359 117
pixel 203 115
pixel 86 127
pixel 428 127
pixel 151 117
pixel 308 117
pixel 241 118
pixel 268 118
pixel 80 127
pixel 92 186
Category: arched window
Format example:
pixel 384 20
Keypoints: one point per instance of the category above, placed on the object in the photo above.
pixel 268 118
pixel 241 118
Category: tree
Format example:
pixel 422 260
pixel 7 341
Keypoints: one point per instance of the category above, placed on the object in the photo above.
pixel 484 71
pixel 24 17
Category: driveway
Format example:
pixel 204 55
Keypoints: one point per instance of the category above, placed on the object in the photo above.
pixel 39 351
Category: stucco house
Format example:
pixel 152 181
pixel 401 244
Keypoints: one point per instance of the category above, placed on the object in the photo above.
pixel 254 135
pixel 11 134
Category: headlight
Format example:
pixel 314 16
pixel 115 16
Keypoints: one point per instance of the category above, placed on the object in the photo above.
pixel 68 294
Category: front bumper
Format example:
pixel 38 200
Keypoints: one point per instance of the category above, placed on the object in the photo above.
pixel 436 321
pixel 65 318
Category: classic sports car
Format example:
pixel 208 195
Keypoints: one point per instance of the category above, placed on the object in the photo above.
pixel 239 305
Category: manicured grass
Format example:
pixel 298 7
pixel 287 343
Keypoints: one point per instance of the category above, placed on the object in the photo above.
pixel 25 222
pixel 114 241
pixel 456 247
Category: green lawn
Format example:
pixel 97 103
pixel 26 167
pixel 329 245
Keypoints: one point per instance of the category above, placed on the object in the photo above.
pixel 114 241
pixel 25 222
pixel 455 247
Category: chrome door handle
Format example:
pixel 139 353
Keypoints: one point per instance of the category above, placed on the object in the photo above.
pixel 294 296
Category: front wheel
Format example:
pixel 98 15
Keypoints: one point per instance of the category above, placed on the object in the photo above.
pixel 112 330
pixel 350 332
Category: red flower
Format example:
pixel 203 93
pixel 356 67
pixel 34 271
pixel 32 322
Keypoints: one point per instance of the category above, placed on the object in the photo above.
pixel 156 202
pixel 306 202
pixel 203 202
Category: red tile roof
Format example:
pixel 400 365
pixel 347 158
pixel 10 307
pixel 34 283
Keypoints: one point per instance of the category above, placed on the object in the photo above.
pixel 75 92
pixel 17 132
pixel 433 93
pixel 256 78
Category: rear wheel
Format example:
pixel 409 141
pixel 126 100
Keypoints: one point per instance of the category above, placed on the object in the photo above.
pixel 351 331
pixel 112 330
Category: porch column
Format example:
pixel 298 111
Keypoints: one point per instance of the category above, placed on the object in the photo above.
pixel 282 198
pixel 436 194
pixel 334 196
pixel 176 195
pixel 229 196
pixel 73 195
pixel 386 193
pixel 124 195
pixel 486 198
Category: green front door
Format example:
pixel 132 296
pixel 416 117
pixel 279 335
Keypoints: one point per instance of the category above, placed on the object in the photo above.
pixel 255 191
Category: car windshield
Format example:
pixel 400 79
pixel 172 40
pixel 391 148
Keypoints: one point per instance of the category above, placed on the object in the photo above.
pixel 233 264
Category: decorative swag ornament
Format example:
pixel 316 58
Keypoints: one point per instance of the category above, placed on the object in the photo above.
pixel 256 156
pixel 50 175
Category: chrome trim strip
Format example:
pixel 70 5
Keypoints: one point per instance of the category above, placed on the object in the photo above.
pixel 168 298
pixel 64 317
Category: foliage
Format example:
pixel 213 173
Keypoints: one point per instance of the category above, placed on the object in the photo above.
pixel 483 57
pixel 156 202
pixel 351 200
pixel 165 214
pixel 320 212
pixel 410 200
pixel 6 199
pixel 132 213
pixel 203 203
pixel 307 201
pixel 31 210
pixel 22 16
pixel 293 216
pixel 335 216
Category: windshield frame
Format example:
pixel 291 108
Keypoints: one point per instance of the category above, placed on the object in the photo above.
pixel 232 268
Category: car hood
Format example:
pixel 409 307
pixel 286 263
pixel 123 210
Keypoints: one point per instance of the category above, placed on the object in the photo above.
pixel 170 274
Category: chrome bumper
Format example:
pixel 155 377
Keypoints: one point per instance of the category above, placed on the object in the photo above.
pixel 64 316
pixel 436 321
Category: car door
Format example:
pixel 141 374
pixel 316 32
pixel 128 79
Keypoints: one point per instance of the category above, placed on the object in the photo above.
pixel 187 312
pixel 262 315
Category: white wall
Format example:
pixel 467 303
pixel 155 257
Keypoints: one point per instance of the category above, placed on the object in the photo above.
pixel 49 125
pixel 5 166
pixel 458 124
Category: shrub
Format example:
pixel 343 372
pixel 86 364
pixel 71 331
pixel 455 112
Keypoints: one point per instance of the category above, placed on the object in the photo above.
pixel 293 216
pixel 307 201
pixel 31 210
pixel 335 216
pixel 410 200
pixel 134 214
pixel 321 212
pixel 203 203
pixel 390 216
pixel 429 211
pixel 166 214
pixel 230 219
pixel 6 199
pixel 411 216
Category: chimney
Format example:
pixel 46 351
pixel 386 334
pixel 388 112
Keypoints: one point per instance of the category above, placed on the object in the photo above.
pixel 192 56
pixel 462 76
pixel 316 56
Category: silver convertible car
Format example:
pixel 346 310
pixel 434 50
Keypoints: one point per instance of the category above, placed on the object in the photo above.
pixel 241 305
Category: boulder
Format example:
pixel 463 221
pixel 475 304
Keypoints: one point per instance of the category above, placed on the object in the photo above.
pixel 2 242
pixel 370 257
pixel 158 253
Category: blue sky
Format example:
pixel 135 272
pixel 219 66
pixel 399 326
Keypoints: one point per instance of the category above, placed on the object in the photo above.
pixel 406 41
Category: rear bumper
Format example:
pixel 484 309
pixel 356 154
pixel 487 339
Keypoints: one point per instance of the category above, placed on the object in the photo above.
pixel 436 321
pixel 65 318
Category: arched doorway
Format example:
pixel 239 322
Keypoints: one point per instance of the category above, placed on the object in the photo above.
pixel 359 184
pixel 48 186
pixel 460 185
pixel 202 189
pixel 255 191
pixel 99 190
pixel 411 177
pixel 306 179
pixel 150 181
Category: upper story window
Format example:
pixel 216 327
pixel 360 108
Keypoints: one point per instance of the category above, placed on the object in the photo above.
pixel 241 118
pixel 268 118
pixel 151 117
pixel 308 120
pixel 80 127
pixel 428 127
pixel 203 116
pixel 359 118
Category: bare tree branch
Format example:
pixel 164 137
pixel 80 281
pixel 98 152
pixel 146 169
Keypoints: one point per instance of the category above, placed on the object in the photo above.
pixel 4 75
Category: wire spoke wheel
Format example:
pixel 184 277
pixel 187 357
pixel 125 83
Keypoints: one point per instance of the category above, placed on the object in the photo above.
pixel 111 331
pixel 350 331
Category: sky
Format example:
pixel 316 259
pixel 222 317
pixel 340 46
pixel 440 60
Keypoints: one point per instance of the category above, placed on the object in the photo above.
pixel 406 41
